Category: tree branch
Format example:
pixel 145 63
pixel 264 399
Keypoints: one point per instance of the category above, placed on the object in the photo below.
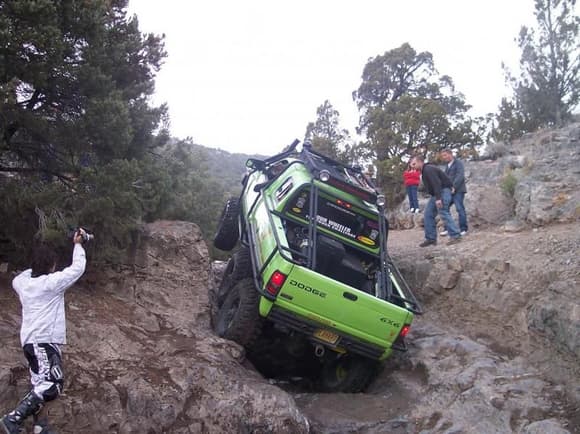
pixel 36 170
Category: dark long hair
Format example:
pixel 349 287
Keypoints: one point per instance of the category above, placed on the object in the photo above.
pixel 43 259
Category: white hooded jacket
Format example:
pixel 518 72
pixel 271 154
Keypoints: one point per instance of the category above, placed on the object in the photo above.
pixel 42 300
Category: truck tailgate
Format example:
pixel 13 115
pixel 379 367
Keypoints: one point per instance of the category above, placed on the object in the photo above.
pixel 339 307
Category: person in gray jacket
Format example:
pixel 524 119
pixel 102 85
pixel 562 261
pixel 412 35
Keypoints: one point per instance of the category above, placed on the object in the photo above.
pixel 456 172
pixel 43 331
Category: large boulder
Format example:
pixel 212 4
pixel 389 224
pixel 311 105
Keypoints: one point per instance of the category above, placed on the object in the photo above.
pixel 548 184
pixel 544 202
pixel 487 205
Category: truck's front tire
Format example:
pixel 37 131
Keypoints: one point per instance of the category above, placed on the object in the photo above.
pixel 348 374
pixel 238 318
pixel 228 231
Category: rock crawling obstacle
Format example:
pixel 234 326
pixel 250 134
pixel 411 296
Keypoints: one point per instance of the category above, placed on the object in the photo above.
pixel 312 278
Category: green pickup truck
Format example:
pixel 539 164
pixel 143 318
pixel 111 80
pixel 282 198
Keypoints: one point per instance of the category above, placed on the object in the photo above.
pixel 312 264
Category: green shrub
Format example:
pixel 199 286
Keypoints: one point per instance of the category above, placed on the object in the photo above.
pixel 508 184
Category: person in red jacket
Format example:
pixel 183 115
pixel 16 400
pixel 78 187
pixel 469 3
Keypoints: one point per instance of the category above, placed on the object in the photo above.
pixel 412 178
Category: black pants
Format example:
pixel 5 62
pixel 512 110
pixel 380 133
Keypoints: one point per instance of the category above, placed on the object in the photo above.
pixel 46 374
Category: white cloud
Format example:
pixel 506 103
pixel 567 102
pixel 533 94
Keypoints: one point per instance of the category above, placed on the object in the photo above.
pixel 247 76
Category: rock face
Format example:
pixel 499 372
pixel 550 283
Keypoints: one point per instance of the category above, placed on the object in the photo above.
pixel 556 313
pixel 547 189
pixel 141 357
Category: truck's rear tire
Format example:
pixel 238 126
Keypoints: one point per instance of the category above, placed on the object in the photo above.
pixel 238 318
pixel 348 374
pixel 228 231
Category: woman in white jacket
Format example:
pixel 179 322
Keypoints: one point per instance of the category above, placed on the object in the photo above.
pixel 43 331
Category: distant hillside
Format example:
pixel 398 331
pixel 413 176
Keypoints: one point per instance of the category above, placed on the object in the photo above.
pixel 225 167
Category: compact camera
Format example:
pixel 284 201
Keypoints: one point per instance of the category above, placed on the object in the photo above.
pixel 86 236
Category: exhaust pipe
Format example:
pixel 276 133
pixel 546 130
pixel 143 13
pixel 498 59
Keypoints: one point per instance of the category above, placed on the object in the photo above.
pixel 318 350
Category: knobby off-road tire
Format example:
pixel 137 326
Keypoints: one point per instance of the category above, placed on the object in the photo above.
pixel 238 267
pixel 238 318
pixel 348 374
pixel 228 231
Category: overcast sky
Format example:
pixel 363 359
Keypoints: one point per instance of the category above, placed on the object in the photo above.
pixel 247 75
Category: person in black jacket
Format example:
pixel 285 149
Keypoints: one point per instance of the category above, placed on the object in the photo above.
pixel 456 172
pixel 439 186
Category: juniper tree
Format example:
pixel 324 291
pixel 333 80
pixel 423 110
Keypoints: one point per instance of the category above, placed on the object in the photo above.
pixel 407 107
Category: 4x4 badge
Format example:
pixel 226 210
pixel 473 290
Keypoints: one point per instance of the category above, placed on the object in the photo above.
pixel 390 322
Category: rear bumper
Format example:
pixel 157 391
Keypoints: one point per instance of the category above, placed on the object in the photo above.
pixel 349 343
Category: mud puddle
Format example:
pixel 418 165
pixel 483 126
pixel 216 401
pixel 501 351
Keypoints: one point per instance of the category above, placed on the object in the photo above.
pixel 384 406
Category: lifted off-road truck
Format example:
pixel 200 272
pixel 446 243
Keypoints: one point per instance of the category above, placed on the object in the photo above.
pixel 312 267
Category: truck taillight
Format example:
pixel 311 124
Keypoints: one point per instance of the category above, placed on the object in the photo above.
pixel 405 330
pixel 275 283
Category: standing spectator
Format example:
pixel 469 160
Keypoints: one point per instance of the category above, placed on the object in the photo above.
pixel 411 179
pixel 438 185
pixel 456 172
pixel 43 330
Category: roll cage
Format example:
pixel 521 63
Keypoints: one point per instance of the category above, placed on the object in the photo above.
pixel 343 177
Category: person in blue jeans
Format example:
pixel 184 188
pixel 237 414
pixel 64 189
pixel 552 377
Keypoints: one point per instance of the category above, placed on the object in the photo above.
pixel 456 172
pixel 438 185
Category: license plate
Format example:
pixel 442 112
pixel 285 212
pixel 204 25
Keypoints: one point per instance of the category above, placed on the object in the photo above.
pixel 326 336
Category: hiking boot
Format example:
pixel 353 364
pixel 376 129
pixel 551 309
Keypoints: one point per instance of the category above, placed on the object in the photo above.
pixel 428 243
pixel 30 404
pixel 453 241
pixel 9 426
